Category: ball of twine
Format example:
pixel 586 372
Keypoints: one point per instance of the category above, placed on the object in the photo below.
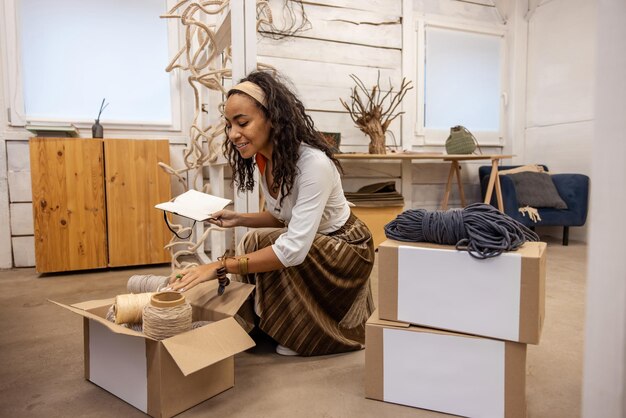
pixel 168 314
pixel 139 326
pixel 142 283
pixel 110 316
pixel 128 308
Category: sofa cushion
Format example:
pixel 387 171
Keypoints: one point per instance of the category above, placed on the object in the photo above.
pixel 536 190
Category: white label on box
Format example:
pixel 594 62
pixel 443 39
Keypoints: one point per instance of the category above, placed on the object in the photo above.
pixel 454 291
pixel 456 375
pixel 117 363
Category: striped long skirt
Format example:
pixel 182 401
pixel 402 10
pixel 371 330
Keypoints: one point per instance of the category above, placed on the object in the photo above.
pixel 320 306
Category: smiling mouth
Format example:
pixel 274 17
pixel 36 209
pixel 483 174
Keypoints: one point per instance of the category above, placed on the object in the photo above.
pixel 239 146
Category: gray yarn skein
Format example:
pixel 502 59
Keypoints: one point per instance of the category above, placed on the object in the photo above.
pixel 479 229
pixel 144 283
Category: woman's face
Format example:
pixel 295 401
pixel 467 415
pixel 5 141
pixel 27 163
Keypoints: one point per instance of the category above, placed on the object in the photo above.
pixel 248 128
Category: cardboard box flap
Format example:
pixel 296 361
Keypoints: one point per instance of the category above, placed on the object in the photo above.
pixel 93 304
pixel 532 249
pixel 118 329
pixel 375 320
pixel 204 346
pixel 205 297
pixel 529 249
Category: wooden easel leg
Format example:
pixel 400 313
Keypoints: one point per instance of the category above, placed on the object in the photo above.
pixel 457 169
pixel 499 192
pixel 446 194
pixel 492 181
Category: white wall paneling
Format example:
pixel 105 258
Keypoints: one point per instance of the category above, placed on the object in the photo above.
pixel 6 256
pixel 6 250
pixel 461 10
pixel 322 51
pixel 378 6
pixel 19 186
pixel 563 148
pixel 518 49
pixel 23 251
pixel 352 26
pixel 18 155
pixel 21 219
pixel 18 171
pixel 560 62
pixel 330 74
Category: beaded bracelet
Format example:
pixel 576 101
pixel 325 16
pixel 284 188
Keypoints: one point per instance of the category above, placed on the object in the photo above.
pixel 222 279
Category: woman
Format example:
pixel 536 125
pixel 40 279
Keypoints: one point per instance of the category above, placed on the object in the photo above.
pixel 309 257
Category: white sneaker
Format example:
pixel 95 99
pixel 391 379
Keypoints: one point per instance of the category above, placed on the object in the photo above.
pixel 284 351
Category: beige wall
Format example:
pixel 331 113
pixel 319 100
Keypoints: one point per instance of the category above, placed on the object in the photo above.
pixel 560 88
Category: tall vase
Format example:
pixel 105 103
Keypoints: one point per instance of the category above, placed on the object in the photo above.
pixel 96 130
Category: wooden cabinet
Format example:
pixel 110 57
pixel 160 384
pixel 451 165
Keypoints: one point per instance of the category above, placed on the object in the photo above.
pixel 93 202
pixel 135 183
pixel 68 204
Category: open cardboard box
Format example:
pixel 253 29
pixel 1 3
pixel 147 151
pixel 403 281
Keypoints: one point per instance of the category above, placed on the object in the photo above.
pixel 439 287
pixel 442 371
pixel 164 378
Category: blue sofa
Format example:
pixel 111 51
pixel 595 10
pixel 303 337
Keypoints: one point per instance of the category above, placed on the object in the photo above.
pixel 573 189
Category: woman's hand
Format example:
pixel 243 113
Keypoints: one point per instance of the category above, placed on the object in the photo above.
pixel 185 279
pixel 225 219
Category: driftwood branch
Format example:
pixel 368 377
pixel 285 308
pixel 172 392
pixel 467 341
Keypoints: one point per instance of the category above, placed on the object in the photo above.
pixel 371 115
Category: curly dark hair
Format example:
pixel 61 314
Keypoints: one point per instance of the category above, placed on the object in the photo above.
pixel 290 127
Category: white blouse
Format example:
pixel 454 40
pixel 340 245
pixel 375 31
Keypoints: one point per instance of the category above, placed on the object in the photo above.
pixel 316 204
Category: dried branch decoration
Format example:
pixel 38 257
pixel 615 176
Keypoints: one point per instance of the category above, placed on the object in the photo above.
pixel 206 61
pixel 294 19
pixel 374 114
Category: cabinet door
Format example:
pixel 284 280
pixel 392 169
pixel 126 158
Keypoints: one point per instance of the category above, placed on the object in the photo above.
pixel 68 204
pixel 135 183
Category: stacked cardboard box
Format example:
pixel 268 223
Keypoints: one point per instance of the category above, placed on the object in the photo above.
pixel 450 332
pixel 164 378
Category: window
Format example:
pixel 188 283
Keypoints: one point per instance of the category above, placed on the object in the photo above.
pixel 463 81
pixel 74 53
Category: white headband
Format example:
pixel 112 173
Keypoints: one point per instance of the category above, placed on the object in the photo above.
pixel 253 90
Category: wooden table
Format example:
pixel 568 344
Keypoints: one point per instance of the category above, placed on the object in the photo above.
pixel 455 171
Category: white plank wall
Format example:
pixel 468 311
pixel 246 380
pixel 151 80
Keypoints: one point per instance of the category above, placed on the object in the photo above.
pixel 23 251
pixel 18 172
pixel 20 206
pixel 6 256
pixel 345 37
pixel 21 219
